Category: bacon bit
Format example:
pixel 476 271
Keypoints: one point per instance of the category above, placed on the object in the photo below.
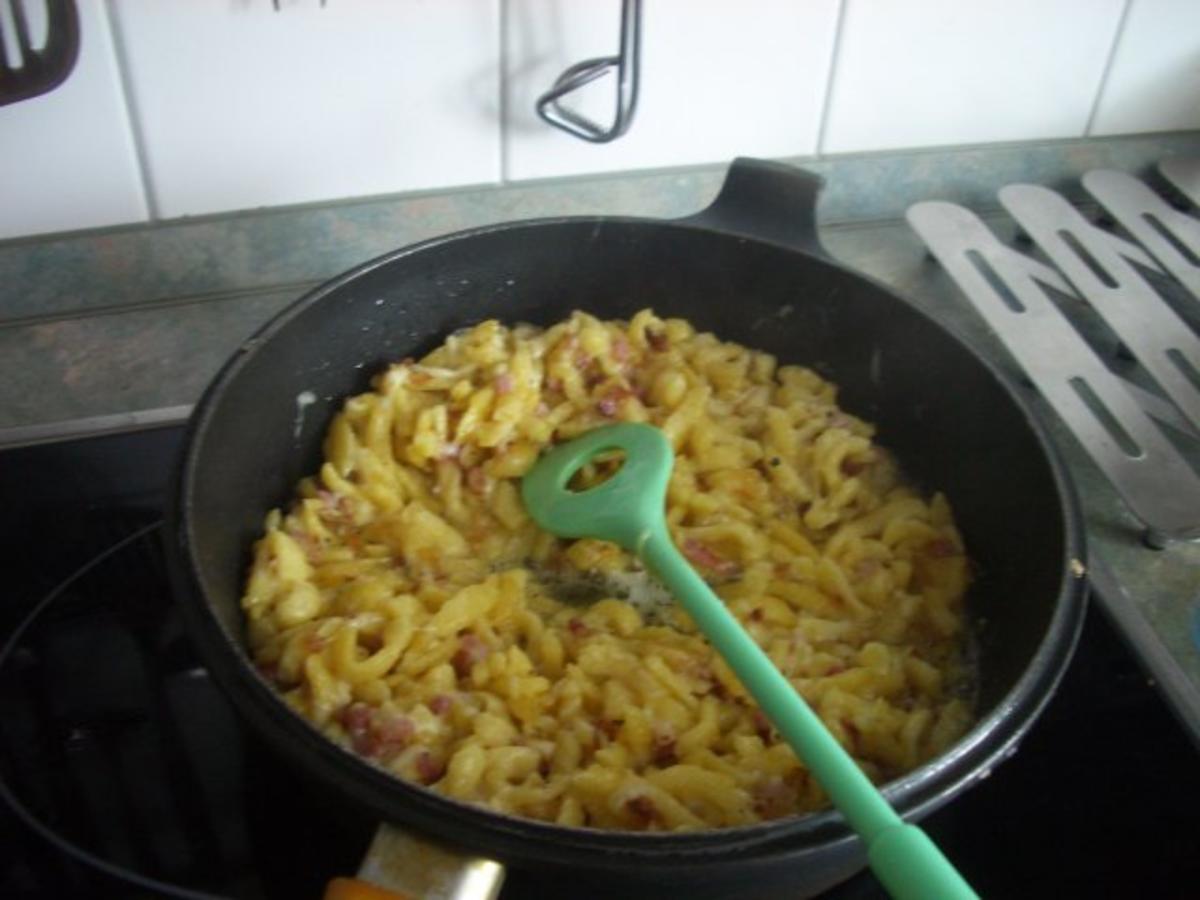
pixel 852 731
pixel 581 358
pixel 333 506
pixel 372 734
pixel 762 726
pixel 620 348
pixel 719 690
pixel 471 650
pixel 657 340
pixel 835 670
pixel 702 555
pixel 609 727
pixel 544 767
pixel 504 384
pixel 756 614
pixel 396 732
pixel 356 719
pixel 440 704
pixel 664 752
pixel 354 716
pixel 477 480
pixel 865 568
pixel 310 545
pixel 578 628
pixel 542 409
pixel 554 385
pixel 315 643
pixel 643 809
pixel 269 671
pixel 774 798
pixel 942 548
pixel 853 467
pixel 429 769
pixel 610 403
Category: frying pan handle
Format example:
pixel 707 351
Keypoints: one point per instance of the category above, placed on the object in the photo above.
pixel 767 201
pixel 401 865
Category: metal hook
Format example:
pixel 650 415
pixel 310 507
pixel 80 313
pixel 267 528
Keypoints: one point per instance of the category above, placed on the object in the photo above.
pixel 626 63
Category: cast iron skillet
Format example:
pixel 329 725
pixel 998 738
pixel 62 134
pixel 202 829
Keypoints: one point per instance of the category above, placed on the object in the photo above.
pixel 750 269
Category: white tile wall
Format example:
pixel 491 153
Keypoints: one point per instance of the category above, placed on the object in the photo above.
pixel 1154 82
pixel 242 106
pixel 917 73
pixel 68 158
pixel 234 105
pixel 718 79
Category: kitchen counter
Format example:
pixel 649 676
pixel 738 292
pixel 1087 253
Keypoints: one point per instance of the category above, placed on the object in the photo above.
pixel 113 330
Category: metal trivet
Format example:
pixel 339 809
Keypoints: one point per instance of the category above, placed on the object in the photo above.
pixel 1107 278
pixel 1184 176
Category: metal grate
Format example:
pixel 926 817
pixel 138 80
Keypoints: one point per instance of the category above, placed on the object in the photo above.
pixel 1184 176
pixel 1105 280
pixel 1170 236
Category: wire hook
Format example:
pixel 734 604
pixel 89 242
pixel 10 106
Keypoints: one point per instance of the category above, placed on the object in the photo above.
pixel 626 63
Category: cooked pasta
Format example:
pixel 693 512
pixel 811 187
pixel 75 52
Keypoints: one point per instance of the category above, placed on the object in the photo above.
pixel 407 606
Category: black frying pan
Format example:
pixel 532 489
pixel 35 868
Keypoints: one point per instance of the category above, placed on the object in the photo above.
pixel 750 269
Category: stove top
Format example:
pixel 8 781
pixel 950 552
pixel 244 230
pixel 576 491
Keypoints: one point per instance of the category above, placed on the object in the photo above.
pixel 140 780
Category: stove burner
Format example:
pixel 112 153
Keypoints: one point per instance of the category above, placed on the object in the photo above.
pixel 117 750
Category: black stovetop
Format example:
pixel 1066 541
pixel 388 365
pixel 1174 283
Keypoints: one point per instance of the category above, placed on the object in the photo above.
pixel 113 737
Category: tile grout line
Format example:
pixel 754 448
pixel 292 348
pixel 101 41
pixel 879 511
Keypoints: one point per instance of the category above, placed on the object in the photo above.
pixel 502 90
pixel 1106 72
pixel 827 100
pixel 8 36
pixel 132 116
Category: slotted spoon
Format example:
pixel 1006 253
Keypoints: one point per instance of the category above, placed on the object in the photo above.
pixel 628 509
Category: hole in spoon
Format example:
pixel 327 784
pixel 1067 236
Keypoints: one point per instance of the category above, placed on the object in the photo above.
pixel 597 470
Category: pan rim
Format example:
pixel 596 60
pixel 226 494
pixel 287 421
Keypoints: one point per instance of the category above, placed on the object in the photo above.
pixel 991 738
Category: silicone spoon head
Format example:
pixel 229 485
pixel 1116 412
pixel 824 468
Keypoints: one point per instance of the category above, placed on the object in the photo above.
pixel 625 509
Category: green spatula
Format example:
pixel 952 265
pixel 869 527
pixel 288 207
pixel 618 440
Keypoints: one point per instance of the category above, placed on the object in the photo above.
pixel 628 510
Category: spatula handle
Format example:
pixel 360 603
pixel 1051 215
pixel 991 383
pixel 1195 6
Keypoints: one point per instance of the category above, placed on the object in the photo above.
pixel 911 866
